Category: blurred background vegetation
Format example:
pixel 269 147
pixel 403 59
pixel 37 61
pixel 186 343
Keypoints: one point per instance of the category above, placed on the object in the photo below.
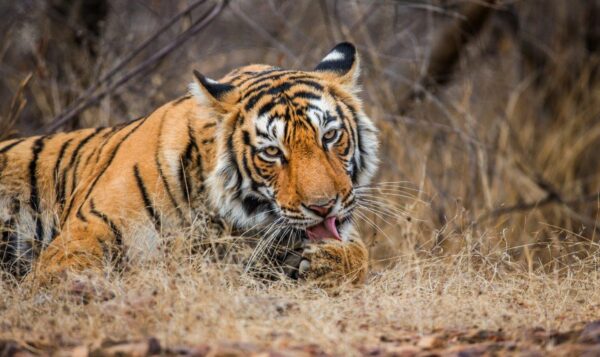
pixel 489 110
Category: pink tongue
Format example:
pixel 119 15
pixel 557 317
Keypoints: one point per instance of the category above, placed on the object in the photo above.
pixel 323 230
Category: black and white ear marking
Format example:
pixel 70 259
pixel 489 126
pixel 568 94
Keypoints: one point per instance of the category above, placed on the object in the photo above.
pixel 340 59
pixel 214 88
pixel 210 92
pixel 341 62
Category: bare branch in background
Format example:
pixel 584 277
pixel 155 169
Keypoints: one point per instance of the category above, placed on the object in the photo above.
pixel 8 121
pixel 89 99
pixel 550 199
pixel 263 33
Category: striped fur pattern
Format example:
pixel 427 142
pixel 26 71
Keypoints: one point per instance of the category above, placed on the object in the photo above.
pixel 261 146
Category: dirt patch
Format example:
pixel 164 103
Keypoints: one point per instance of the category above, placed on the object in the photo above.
pixel 532 342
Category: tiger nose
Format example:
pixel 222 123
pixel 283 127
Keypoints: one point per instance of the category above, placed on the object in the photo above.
pixel 322 209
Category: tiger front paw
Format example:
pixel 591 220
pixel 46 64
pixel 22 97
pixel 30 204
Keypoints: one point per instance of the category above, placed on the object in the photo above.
pixel 333 264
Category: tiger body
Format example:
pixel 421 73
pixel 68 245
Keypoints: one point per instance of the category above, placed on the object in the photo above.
pixel 82 183
pixel 254 148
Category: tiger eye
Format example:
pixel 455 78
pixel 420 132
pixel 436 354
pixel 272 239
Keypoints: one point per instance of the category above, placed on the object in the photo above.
pixel 272 151
pixel 330 134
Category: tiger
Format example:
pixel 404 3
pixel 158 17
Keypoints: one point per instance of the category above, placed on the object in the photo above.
pixel 260 147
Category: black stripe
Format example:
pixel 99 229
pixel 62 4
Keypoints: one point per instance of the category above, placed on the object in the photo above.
pixel 328 118
pixel 184 182
pixel 168 189
pixel 246 137
pixel 200 169
pixel 251 102
pixel 62 187
pixel 75 174
pixel 233 160
pixel 304 95
pixel 188 162
pixel 253 205
pixel 162 174
pixel 309 83
pixel 11 145
pixel 81 145
pixel 252 91
pixel 56 170
pixel 291 75
pixel 279 89
pixel 266 108
pixel 246 167
pixel 209 125
pixel 348 145
pixel 98 148
pixel 54 232
pixel 260 75
pixel 359 162
pixel 359 142
pixel 8 243
pixel 34 199
pixel 146 198
pixel 251 151
pixel 80 215
pixel 117 251
pixel 182 99
pixel 262 134
pixel 111 225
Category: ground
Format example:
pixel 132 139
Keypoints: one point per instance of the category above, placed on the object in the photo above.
pixel 412 307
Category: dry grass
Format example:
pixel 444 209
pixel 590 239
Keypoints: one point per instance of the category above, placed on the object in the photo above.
pixel 185 302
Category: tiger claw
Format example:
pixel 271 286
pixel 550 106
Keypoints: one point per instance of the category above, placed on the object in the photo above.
pixel 304 267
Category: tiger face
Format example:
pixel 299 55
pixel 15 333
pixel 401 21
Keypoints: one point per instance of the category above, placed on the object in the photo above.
pixel 292 145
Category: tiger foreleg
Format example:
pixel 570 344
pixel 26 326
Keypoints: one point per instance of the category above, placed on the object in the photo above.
pixel 80 248
pixel 332 264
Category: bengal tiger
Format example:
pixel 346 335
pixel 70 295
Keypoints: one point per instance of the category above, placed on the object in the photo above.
pixel 262 146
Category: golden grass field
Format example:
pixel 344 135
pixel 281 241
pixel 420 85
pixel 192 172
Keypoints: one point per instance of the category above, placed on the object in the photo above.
pixel 193 305
pixel 485 240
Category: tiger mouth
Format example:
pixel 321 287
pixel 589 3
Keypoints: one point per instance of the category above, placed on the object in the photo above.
pixel 326 229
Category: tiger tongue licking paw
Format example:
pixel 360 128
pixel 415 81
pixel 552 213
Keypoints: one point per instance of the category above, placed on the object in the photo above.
pixel 325 229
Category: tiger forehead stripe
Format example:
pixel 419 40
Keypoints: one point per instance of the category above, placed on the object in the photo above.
pixel 286 90
pixel 282 77
pixel 258 83
pixel 263 76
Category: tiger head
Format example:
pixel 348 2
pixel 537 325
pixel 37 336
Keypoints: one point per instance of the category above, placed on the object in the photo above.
pixel 292 145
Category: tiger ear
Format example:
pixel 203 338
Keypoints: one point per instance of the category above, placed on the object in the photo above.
pixel 211 93
pixel 341 64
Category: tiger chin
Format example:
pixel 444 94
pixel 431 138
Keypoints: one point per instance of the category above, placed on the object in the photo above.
pixel 271 152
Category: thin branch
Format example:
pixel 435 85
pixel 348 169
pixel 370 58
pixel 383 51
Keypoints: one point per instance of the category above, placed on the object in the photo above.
pixel 88 98
pixel 550 198
pixel 16 107
pixel 263 33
